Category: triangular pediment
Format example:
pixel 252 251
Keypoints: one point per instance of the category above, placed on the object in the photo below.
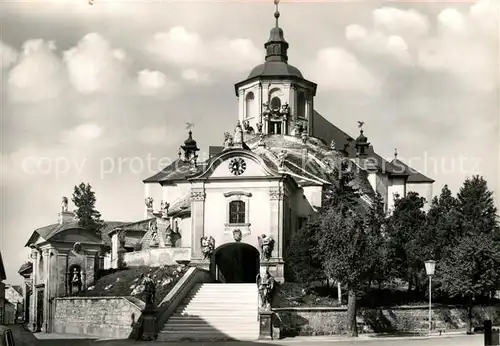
pixel 237 164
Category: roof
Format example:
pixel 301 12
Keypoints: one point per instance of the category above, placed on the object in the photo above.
pixel 2 269
pixel 48 232
pixel 177 170
pixel 181 206
pixel 414 175
pixel 26 268
pixel 136 226
pixel 275 69
pixel 326 130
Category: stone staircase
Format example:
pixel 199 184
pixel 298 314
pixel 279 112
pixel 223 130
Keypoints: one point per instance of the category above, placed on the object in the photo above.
pixel 215 311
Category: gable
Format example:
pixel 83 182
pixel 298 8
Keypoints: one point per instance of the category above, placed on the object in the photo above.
pixel 74 235
pixel 237 164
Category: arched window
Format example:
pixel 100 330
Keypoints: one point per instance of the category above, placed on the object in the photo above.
pixel 301 105
pixel 237 212
pixel 250 105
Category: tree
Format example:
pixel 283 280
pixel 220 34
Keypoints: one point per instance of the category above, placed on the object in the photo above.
pixel 406 232
pixel 345 244
pixel 303 259
pixel 476 207
pixel 376 221
pixel 88 217
pixel 443 224
pixel 471 270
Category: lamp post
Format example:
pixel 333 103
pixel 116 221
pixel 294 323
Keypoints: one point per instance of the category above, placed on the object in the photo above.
pixel 430 266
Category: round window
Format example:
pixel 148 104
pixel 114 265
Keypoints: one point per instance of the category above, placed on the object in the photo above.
pixel 275 103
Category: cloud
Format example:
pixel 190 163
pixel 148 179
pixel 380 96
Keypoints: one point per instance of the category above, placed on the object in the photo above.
pixel 336 68
pixel 156 83
pixel 378 43
pixel 392 20
pixel 154 135
pixel 194 76
pixel 465 46
pixel 39 74
pixel 84 132
pixel 180 47
pixel 463 49
pixel 8 55
pixel 94 66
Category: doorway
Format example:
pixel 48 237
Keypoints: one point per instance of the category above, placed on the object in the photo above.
pixel 236 263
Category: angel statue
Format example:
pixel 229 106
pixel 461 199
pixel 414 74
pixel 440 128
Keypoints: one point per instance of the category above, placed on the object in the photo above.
pixel 149 202
pixel 64 204
pixel 266 246
pixel 207 246
pixel 265 285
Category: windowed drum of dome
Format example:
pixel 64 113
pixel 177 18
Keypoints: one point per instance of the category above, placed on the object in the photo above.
pixel 275 103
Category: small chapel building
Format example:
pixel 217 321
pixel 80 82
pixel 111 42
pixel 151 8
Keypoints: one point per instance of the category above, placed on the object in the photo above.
pixel 233 213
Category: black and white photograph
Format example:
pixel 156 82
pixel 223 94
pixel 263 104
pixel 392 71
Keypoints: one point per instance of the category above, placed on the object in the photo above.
pixel 250 172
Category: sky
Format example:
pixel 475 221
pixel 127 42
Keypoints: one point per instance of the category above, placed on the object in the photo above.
pixel 102 93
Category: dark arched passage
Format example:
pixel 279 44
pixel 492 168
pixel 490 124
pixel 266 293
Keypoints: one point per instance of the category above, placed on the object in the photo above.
pixel 235 263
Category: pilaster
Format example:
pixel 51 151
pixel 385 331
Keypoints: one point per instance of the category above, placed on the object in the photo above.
pixel 46 292
pixel 241 105
pixel 276 226
pixel 33 302
pixel 197 220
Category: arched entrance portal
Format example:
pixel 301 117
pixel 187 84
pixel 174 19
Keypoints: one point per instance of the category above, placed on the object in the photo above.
pixel 235 263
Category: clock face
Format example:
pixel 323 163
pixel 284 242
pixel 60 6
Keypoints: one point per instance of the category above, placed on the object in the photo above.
pixel 237 166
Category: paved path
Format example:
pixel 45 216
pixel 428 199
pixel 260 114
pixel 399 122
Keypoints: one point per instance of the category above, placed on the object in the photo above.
pixel 25 338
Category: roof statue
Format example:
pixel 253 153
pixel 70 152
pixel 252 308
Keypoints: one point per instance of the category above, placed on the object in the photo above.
pixel 360 124
pixel 238 135
pixel 64 204
pixel 149 202
pixel 395 153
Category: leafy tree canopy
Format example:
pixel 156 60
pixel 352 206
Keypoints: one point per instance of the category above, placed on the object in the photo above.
pixel 84 200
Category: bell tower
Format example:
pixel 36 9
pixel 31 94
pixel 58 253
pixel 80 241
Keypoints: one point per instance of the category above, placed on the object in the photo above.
pixel 276 98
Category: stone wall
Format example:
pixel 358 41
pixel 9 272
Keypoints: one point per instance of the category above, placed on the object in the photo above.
pixel 157 257
pixel 113 317
pixel 331 321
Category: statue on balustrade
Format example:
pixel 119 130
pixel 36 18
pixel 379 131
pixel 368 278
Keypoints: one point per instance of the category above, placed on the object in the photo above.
pixel 149 202
pixel 265 285
pixel 266 244
pixel 228 140
pixel 207 246
pixel 149 290
pixel 247 128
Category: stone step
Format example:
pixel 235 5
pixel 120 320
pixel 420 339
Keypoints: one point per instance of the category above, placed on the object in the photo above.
pixel 206 333
pixel 196 320
pixel 206 337
pixel 211 326
pixel 223 304
pixel 210 313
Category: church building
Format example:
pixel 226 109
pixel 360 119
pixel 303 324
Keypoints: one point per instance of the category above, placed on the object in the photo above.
pixel 268 178
pixel 233 213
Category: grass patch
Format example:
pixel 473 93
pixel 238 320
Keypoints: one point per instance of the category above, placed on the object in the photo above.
pixel 291 294
pixel 123 282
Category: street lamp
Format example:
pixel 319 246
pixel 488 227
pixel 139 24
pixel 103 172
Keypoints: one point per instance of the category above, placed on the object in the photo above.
pixel 430 265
